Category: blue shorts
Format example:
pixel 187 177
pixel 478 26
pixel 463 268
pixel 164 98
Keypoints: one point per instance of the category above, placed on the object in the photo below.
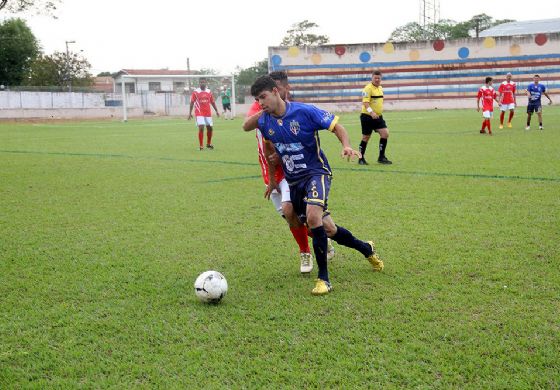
pixel 534 107
pixel 312 190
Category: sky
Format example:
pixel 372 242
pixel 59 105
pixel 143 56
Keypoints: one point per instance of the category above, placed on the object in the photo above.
pixel 223 35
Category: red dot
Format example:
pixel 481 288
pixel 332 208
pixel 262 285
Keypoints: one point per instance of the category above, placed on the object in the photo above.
pixel 541 39
pixel 439 45
pixel 340 50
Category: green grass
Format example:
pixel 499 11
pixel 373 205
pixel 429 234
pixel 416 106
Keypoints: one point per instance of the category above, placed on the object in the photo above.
pixel 104 227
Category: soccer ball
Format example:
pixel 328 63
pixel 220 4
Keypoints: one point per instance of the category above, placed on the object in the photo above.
pixel 210 287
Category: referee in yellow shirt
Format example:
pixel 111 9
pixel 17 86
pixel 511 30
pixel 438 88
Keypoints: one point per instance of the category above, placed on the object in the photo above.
pixel 372 118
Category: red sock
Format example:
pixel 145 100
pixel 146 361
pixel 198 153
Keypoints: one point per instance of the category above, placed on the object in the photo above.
pixel 200 137
pixel 483 125
pixel 488 125
pixel 502 117
pixel 510 116
pixel 209 137
pixel 300 235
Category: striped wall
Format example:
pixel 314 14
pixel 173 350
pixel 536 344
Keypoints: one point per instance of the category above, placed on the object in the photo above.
pixel 452 69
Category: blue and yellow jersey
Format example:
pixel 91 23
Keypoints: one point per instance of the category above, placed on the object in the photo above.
pixel 374 96
pixel 535 91
pixel 296 139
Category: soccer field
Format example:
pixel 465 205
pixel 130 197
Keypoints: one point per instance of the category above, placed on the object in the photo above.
pixel 105 226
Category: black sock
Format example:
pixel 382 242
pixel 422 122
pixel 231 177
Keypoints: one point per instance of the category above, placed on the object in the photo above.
pixel 362 148
pixel 346 238
pixel 320 249
pixel 540 124
pixel 382 147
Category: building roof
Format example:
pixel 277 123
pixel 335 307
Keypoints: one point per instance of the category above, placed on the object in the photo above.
pixel 522 28
pixel 158 72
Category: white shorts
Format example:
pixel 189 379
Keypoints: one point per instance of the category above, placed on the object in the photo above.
pixel 204 121
pixel 283 196
pixel 509 106
pixel 487 114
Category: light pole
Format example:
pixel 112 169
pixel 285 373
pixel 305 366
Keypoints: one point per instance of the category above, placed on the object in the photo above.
pixel 68 78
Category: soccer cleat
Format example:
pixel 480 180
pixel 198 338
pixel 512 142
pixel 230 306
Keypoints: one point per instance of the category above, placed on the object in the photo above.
pixel 501 126
pixel 200 148
pixel 209 146
pixel 482 132
pixel 322 287
pixel 540 128
pixel 509 125
pixel 362 161
pixel 374 259
pixel 528 128
pixel 330 249
pixel 306 263
pixel 384 160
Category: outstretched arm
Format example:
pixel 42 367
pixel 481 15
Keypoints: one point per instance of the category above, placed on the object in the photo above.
pixel 252 122
pixel 342 136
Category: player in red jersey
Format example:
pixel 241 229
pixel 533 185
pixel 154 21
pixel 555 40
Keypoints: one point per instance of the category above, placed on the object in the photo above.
pixel 201 99
pixel 488 95
pixel 507 100
pixel 281 200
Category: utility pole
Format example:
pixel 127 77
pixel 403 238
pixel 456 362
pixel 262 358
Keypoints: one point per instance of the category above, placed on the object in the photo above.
pixel 189 72
pixel 68 78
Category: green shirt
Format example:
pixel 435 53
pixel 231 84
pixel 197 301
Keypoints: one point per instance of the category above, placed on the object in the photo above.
pixel 226 96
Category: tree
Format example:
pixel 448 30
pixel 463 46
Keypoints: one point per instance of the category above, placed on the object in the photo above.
pixel 18 50
pixel 298 35
pixel 246 77
pixel 60 70
pixel 38 6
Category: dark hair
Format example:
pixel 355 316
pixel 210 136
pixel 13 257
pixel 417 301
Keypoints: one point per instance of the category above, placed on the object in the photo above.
pixel 263 83
pixel 488 79
pixel 537 76
pixel 279 75
pixel 376 72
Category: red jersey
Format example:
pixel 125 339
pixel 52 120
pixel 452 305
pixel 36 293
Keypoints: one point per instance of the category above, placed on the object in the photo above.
pixel 507 90
pixel 279 174
pixel 202 100
pixel 488 94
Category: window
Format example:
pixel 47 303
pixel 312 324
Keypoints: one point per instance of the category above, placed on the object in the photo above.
pixel 154 86
pixel 178 86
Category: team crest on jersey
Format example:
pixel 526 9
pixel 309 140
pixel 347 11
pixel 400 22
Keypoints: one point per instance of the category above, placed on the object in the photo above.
pixel 270 132
pixel 279 121
pixel 294 127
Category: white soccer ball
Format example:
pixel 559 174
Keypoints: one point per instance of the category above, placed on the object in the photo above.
pixel 210 286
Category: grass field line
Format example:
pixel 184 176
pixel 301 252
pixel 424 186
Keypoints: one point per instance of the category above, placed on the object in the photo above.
pixel 413 173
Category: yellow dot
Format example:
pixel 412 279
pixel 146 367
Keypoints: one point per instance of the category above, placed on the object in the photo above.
pixel 489 43
pixel 515 49
pixel 388 48
pixel 293 51
pixel 414 55
pixel 316 58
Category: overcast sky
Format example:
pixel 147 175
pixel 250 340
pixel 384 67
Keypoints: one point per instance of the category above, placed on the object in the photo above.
pixel 222 35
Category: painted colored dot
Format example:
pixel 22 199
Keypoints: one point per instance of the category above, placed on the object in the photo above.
pixel 365 56
pixel 388 48
pixel 340 50
pixel 414 55
pixel 541 39
pixel 293 51
pixel 463 52
pixel 489 43
pixel 316 58
pixel 276 60
pixel 515 49
pixel 439 45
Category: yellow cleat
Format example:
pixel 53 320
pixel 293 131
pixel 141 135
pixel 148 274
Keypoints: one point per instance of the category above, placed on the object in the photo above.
pixel 501 126
pixel 374 259
pixel 321 287
pixel 509 125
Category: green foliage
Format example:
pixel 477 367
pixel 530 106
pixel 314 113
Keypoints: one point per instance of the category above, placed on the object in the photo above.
pixel 105 226
pixel 47 7
pixel 18 49
pixel 246 77
pixel 60 69
pixel 300 35
pixel 444 29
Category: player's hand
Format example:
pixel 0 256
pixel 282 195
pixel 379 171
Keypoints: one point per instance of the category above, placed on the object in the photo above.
pixel 550 102
pixel 189 117
pixel 478 109
pixel 350 154
pixel 218 114
pixel 273 159
pixel 374 115
pixel 270 188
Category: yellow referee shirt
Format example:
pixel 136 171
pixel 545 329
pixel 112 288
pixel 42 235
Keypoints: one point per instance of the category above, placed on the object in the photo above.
pixel 374 96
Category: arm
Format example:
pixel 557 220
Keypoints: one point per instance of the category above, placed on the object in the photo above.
pixel 478 103
pixel 549 99
pixel 268 152
pixel 215 108
pixel 252 122
pixel 190 110
pixel 342 136
pixel 368 109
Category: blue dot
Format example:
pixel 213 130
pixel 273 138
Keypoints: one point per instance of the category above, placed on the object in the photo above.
pixel 463 52
pixel 276 60
pixel 365 56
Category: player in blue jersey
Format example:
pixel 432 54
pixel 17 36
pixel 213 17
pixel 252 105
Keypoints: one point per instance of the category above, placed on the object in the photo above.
pixel 534 93
pixel 291 130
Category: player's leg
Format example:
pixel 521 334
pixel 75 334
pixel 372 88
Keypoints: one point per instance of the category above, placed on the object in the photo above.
pixel 209 131
pixel 502 115
pixel 200 123
pixel 383 139
pixel 367 129
pixel 489 115
pixel 511 112
pixel 539 114
pixel 529 114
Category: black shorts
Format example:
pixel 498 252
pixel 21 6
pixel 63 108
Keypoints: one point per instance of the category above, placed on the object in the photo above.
pixel 534 107
pixel 370 125
pixel 226 106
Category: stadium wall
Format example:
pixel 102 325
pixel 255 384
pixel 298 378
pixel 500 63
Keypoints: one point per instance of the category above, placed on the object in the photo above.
pixel 420 75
